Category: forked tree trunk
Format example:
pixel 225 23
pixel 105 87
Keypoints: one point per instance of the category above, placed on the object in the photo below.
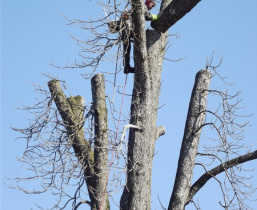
pixel 94 163
pixel 75 132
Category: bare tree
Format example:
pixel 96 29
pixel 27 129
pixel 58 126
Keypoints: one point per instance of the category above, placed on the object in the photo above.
pixel 63 152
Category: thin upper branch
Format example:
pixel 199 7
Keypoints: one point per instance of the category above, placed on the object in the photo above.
pixel 217 170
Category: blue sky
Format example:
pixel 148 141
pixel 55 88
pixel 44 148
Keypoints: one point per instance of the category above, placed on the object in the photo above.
pixel 35 34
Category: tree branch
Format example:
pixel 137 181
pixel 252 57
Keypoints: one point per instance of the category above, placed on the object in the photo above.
pixel 175 10
pixel 217 170
pixel 81 202
pixel 160 131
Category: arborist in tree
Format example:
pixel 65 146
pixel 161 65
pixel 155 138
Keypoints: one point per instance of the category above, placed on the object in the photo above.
pixel 127 33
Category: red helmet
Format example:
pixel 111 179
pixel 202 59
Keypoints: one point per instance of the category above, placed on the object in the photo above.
pixel 149 1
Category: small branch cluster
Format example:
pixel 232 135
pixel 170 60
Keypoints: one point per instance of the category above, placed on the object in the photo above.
pixel 104 38
pixel 48 155
pixel 66 146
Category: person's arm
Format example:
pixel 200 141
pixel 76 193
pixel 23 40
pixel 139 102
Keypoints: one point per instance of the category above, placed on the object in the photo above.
pixel 148 15
pixel 151 17
pixel 155 17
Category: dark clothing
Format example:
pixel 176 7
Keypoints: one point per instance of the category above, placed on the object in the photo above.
pixel 126 50
pixel 127 34
pixel 126 37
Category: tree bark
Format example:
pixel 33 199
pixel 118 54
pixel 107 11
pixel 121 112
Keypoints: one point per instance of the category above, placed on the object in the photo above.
pixel 173 10
pixel 217 170
pixel 137 193
pixel 139 34
pixel 71 111
pixel 149 51
pixel 194 123
pixel 101 142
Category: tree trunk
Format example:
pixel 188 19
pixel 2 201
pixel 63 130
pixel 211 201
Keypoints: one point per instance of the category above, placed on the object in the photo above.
pixel 101 143
pixel 194 123
pixel 137 193
pixel 149 51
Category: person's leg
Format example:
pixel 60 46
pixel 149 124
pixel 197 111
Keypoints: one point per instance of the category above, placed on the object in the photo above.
pixel 126 51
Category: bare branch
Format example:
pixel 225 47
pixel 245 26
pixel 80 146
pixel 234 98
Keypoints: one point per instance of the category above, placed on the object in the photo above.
pixel 217 170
